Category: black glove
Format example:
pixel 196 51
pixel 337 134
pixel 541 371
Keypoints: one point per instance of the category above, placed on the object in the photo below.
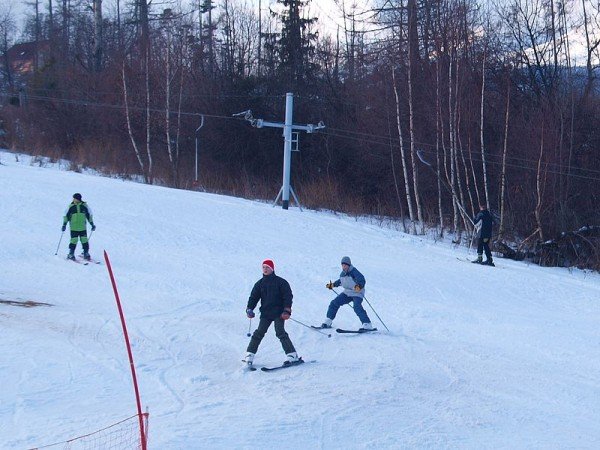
pixel 287 312
pixel 93 227
pixel 250 313
pixel 64 227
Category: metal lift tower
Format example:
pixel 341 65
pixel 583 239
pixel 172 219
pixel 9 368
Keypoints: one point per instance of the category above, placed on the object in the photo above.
pixel 288 127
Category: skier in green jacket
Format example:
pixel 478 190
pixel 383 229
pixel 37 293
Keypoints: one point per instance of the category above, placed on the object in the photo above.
pixel 77 214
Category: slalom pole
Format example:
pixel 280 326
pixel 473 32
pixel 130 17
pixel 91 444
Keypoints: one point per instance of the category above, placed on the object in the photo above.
pixel 376 314
pixel 311 328
pixel 249 326
pixel 138 400
pixel 59 241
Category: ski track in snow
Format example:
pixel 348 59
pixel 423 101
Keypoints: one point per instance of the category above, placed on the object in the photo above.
pixel 476 357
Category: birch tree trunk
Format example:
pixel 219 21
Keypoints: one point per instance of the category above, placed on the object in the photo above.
pixel 128 119
pixel 503 174
pixel 411 213
pixel 452 144
pixel 481 135
pixel 148 124
pixel 412 27
pixel 539 187
pixel 98 35
pixel 168 107
pixel 439 134
pixel 394 175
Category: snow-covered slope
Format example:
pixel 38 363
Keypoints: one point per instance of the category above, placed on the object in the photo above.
pixel 477 357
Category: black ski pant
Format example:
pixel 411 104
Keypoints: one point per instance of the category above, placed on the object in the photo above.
pixel 79 236
pixel 484 244
pixel 259 333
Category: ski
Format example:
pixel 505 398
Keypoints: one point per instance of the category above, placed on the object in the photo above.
pixel 76 261
pixel 476 263
pixel 359 331
pixel 89 261
pixel 283 366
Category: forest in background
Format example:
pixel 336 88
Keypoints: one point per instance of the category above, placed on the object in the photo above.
pixel 491 96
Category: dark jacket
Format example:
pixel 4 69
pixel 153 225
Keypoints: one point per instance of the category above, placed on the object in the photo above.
pixel 487 220
pixel 274 294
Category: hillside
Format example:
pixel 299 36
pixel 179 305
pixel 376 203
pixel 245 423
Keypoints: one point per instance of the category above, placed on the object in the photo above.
pixel 476 357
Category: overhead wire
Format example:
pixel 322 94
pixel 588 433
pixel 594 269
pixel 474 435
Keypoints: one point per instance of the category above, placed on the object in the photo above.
pixel 357 136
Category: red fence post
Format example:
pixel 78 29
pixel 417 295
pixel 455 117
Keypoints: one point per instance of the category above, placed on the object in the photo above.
pixel 131 365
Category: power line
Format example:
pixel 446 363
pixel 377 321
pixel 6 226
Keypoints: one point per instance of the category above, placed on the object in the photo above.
pixel 475 159
pixel 114 106
pixel 383 140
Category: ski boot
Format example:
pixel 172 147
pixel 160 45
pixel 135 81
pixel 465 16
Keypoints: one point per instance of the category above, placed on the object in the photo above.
pixel 86 256
pixel 326 324
pixel 249 359
pixel 71 256
pixel 291 358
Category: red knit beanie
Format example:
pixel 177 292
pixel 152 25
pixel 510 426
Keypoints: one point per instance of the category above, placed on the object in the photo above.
pixel 268 262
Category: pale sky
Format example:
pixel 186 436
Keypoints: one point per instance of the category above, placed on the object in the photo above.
pixel 328 11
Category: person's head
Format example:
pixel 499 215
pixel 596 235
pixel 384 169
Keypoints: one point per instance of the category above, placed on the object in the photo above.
pixel 268 267
pixel 482 206
pixel 77 197
pixel 346 263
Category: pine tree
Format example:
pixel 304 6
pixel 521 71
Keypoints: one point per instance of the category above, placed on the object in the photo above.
pixel 295 46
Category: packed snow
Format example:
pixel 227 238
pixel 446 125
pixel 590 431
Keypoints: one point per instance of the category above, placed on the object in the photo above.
pixel 476 357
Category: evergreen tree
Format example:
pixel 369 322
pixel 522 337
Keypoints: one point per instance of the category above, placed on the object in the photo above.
pixel 296 44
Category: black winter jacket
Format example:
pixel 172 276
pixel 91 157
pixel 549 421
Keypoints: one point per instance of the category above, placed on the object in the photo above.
pixel 274 294
pixel 487 220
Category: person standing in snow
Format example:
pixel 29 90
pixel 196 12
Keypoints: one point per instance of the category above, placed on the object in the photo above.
pixel 353 283
pixel 78 213
pixel 275 296
pixel 483 222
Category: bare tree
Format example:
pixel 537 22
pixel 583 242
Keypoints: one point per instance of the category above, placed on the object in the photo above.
pixel 98 35
pixel 7 30
pixel 591 28
pixel 136 150
pixel 539 183
pixel 413 51
pixel 503 169
pixel 411 213
pixel 481 136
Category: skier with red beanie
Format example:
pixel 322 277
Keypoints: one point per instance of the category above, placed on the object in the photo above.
pixel 275 296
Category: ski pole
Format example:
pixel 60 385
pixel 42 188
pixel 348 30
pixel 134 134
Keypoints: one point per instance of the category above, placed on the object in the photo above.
pixel 59 241
pixel 371 308
pixel 336 293
pixel 376 314
pixel 310 328
pixel 249 326
pixel 90 236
